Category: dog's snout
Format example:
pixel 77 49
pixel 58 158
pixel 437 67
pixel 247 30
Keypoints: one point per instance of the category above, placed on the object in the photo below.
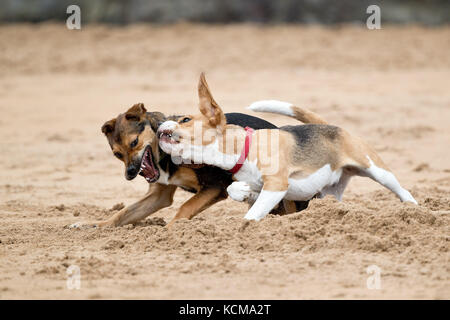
pixel 167 126
pixel 131 172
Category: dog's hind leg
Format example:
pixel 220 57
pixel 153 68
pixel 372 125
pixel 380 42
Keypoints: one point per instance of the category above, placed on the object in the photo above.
pixel 337 189
pixel 158 197
pixel 388 180
pixel 362 160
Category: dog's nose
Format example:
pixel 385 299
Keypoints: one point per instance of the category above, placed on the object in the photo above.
pixel 131 172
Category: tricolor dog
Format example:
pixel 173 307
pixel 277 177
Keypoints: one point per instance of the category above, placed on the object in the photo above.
pixel 271 165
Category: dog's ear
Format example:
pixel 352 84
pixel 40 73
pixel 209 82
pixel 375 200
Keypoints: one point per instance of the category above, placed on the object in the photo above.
pixel 108 126
pixel 155 119
pixel 208 107
pixel 136 112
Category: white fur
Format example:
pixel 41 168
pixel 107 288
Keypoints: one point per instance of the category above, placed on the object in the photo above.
pixel 388 180
pixel 266 201
pixel 174 149
pixel 337 189
pixel 272 106
pixel 168 125
pixel 210 154
pixel 323 181
pixel 241 191
pixel 250 173
pixel 190 153
pixel 164 177
pixel 306 188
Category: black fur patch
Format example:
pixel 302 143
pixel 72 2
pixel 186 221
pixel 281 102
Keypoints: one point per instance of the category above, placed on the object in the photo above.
pixel 166 165
pixel 213 176
pixel 155 119
pixel 245 120
pixel 307 133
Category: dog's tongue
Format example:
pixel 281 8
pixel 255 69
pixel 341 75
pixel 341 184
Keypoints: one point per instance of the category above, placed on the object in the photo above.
pixel 148 170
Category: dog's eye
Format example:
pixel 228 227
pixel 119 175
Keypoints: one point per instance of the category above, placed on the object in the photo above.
pixel 134 143
pixel 118 155
pixel 185 119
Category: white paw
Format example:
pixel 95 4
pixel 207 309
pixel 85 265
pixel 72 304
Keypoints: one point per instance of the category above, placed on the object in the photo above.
pixel 239 191
pixel 405 196
pixel 252 216
pixel 412 200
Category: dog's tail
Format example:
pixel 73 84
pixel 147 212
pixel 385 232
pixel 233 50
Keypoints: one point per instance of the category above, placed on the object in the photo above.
pixel 287 109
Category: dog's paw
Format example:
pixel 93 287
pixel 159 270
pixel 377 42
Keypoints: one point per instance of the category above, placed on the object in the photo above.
pixel 251 217
pixel 239 191
pixel 82 225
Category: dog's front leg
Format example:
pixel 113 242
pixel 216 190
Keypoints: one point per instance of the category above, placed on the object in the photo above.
pixel 271 194
pixel 266 201
pixel 158 197
pixel 241 191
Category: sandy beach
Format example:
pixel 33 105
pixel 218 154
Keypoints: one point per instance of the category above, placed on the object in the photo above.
pixel 58 86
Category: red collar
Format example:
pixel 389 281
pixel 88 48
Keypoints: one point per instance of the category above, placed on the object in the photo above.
pixel 244 153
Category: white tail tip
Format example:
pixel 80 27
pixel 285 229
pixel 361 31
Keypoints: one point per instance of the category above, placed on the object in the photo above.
pixel 273 106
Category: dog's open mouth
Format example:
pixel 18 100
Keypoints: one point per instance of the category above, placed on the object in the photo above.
pixel 148 169
pixel 168 136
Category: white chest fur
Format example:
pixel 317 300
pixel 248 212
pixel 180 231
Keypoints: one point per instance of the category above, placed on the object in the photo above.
pixel 250 174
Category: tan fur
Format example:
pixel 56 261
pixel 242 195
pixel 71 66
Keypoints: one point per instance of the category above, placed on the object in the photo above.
pixel 355 151
pixel 208 106
pixel 307 116
pixel 199 202
pixel 289 206
pixel 185 177
pixel 120 141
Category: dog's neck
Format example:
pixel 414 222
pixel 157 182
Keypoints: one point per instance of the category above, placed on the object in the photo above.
pixel 226 149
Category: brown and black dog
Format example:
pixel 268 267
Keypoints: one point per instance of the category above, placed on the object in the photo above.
pixel 132 138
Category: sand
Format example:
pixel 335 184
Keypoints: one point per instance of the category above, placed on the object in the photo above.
pixel 57 87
